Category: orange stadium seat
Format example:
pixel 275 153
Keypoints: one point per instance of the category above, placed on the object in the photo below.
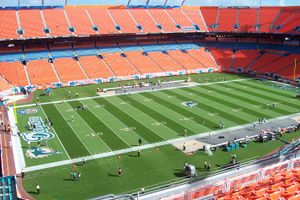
pixel 80 21
pixel 68 69
pixel 144 19
pixel 4 84
pixel 223 57
pixel 124 20
pixel 187 61
pixel 41 72
pixel 247 20
pixel 203 57
pixel 244 58
pixel 119 65
pixel 143 63
pixel 210 16
pixel 8 25
pixel 165 62
pixel 95 68
pixel 227 19
pixel 32 24
pixel 267 17
pixel 56 22
pixel 180 19
pixel 102 19
pixel 265 59
pixel 288 19
pixel 164 20
pixel 195 15
pixel 14 72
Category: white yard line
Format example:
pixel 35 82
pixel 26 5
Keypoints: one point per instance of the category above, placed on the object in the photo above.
pixel 191 84
pixel 147 146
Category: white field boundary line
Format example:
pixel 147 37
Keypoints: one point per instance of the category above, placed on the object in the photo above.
pixel 19 159
pixel 147 146
pixel 188 84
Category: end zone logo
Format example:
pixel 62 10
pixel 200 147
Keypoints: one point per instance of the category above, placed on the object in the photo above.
pixel 40 131
pixel 27 111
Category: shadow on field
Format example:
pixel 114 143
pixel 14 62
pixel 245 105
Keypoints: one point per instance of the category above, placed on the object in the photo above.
pixel 68 179
pixel 131 155
pixel 178 172
pixel 32 192
pixel 112 175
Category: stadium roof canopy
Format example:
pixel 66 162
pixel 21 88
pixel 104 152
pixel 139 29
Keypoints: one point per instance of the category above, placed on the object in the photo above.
pixel 221 3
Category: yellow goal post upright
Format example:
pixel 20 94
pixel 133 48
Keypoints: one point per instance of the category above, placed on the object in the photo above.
pixel 15 112
pixel 295 68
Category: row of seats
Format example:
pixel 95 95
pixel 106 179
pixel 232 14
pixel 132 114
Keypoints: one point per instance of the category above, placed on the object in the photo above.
pixel 278 62
pixel 264 19
pixel 283 184
pixel 31 23
pixel 106 65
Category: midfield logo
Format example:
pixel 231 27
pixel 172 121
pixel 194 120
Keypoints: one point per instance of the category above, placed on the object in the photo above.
pixel 189 103
pixel 40 131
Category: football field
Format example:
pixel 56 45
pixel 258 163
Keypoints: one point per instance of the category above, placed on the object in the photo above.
pixel 118 122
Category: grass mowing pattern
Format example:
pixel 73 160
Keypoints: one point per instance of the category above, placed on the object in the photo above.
pixel 141 129
pixel 108 136
pixel 209 108
pixel 72 144
pixel 153 167
pixel 251 101
pixel 171 124
pixel 265 96
pixel 209 124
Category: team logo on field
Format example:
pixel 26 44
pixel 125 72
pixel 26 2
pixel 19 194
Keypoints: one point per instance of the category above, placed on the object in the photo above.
pixel 189 103
pixel 40 152
pixel 27 111
pixel 40 131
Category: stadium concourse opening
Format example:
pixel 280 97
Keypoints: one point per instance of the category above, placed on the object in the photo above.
pixel 149 100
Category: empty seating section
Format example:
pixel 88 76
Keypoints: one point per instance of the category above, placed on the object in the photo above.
pixel 142 62
pixel 267 17
pixel 94 67
pixel 180 18
pixel 185 60
pixel 243 58
pixel 41 72
pixel 31 23
pixel 203 57
pixel 164 20
pixel 209 15
pixel 277 64
pixel 227 19
pixel 119 65
pixel 223 57
pixel 56 22
pixel 288 72
pixel 289 19
pixel 280 185
pixel 144 19
pixel 8 25
pixel 14 72
pixel 247 20
pixel 265 59
pixel 102 19
pixel 123 19
pixel 195 16
pixel 80 21
pixel 4 85
pixel 68 69
pixel 165 62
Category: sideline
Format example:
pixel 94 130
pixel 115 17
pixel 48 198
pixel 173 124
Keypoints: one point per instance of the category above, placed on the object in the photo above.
pixel 147 146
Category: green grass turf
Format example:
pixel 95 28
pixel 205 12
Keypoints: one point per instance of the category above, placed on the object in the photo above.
pixel 90 90
pixel 117 122
pixel 152 168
